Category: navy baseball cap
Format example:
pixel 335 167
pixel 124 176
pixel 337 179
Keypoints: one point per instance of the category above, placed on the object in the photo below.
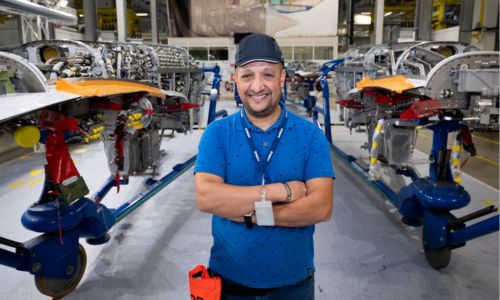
pixel 258 47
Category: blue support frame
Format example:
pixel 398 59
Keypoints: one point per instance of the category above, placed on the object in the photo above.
pixel 84 218
pixel 15 260
pixel 476 230
pixel 325 69
pixel 155 186
pixel 440 145
pixel 214 94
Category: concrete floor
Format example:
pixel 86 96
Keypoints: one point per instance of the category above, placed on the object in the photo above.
pixel 364 252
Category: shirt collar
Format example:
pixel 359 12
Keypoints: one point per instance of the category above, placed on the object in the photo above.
pixel 255 128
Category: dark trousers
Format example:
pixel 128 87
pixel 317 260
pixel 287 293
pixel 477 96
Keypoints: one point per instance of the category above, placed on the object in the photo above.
pixel 301 290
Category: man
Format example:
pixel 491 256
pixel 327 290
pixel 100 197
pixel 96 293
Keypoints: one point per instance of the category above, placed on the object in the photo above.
pixel 260 156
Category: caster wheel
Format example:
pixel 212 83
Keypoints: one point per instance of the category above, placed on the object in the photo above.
pixel 439 258
pixel 57 287
pixel 99 240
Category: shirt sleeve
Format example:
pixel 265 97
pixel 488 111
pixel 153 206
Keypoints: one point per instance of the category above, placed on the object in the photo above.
pixel 211 158
pixel 319 162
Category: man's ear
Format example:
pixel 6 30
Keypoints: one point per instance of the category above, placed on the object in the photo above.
pixel 234 76
pixel 282 77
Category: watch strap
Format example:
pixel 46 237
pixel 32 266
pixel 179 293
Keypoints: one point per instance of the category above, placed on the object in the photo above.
pixel 248 219
pixel 288 192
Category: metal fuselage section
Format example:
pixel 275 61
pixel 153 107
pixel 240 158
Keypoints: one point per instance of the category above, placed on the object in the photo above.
pixel 42 63
pixel 63 59
pixel 468 85
pixel 464 82
pixel 17 75
pixel 166 67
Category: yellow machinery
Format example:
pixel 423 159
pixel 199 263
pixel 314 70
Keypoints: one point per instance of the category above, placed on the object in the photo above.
pixel 404 8
pixel 106 20
pixel 445 13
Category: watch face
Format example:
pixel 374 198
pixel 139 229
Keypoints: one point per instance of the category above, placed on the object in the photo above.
pixel 248 219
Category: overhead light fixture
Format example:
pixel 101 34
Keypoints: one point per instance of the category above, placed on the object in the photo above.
pixel 80 15
pixel 362 20
pixel 141 14
pixel 366 13
pixel 388 14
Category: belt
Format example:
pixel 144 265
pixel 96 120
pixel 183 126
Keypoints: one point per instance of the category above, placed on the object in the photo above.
pixel 230 287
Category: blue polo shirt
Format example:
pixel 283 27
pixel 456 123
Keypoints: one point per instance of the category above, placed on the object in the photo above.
pixel 263 257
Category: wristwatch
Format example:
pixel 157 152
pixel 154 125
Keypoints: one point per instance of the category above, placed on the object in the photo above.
pixel 288 192
pixel 248 219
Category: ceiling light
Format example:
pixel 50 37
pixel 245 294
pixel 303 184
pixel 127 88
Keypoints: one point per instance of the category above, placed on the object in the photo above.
pixel 141 14
pixel 388 14
pixel 362 20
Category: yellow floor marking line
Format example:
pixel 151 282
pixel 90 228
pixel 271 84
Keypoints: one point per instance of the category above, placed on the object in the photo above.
pixel 25 183
pixel 28 182
pixel 495 163
pixel 24 157
pixel 37 172
pixel 79 150
pixel 485 139
pixel 475 136
pixel 488 202
pixel 424 135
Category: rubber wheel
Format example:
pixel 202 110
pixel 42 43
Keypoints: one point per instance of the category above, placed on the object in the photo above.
pixel 57 287
pixel 438 259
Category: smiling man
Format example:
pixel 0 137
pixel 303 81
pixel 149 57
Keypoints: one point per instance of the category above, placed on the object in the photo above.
pixel 266 176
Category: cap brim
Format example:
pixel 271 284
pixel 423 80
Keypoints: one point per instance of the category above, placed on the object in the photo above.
pixel 258 59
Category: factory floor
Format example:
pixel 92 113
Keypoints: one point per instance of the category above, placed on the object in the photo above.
pixel 363 252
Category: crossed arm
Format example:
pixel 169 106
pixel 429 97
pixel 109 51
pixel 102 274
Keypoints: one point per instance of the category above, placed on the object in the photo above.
pixel 312 201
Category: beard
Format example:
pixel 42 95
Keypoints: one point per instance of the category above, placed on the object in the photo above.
pixel 270 108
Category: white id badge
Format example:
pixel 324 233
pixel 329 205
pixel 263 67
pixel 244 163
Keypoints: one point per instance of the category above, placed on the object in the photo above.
pixel 264 213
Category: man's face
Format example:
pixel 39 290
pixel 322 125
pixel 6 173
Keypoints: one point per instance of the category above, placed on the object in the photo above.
pixel 259 86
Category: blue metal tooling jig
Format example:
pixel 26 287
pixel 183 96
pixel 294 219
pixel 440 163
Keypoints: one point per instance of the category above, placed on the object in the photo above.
pixel 425 201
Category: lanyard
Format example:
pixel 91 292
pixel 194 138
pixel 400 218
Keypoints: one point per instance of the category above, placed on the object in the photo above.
pixel 263 163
